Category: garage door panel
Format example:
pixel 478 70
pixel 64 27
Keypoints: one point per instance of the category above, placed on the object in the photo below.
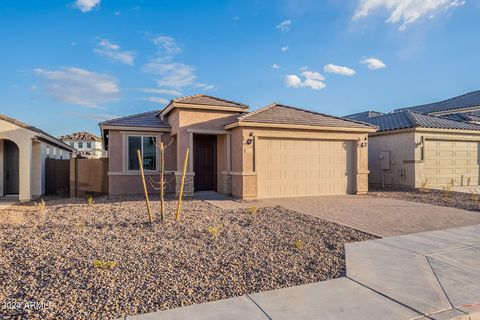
pixel 306 168
pixel 451 161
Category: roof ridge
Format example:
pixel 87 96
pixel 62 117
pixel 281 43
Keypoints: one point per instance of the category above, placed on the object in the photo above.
pixel 179 99
pixel 325 115
pixel 249 114
pixel 129 116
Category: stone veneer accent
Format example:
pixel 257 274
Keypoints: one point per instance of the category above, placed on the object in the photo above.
pixel 227 182
pixel 188 188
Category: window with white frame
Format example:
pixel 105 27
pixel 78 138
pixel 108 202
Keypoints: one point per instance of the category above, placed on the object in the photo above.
pixel 148 150
pixel 80 145
pixel 89 145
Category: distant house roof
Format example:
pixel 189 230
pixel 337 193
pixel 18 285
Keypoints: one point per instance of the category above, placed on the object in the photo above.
pixel 81 135
pixel 145 119
pixel 42 134
pixel 361 116
pixel 409 119
pixel 466 116
pixel 282 114
pixel 468 100
pixel 203 100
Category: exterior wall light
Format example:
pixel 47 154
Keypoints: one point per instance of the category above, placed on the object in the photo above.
pixel 250 138
pixel 363 143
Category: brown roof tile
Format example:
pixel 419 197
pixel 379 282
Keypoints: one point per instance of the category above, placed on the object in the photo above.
pixel 282 114
pixel 82 135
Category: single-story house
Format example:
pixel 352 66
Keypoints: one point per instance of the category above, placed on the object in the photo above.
pixel 433 145
pixel 276 151
pixel 23 150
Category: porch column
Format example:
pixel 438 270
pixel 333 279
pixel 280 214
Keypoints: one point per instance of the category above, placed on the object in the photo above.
pixel 25 171
pixel 1 169
pixel 190 157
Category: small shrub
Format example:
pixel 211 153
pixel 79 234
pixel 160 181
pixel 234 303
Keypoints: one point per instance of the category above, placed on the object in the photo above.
pixel 89 199
pixel 103 264
pixel 41 205
pixel 474 196
pixel 298 244
pixel 447 191
pixel 253 210
pixel 423 186
pixel 214 232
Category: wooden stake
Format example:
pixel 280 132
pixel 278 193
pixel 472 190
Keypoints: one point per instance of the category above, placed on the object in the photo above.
pixel 181 186
pixel 144 186
pixel 162 182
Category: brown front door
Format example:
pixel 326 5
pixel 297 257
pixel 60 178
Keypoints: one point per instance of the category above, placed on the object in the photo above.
pixel 204 162
pixel 11 159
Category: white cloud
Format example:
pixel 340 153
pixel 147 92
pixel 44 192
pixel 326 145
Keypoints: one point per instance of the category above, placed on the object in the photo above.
pixel 303 68
pixel 344 71
pixel 166 45
pixel 86 5
pixel 293 81
pixel 157 100
pixel 167 92
pixel 275 66
pixel 373 63
pixel 284 49
pixel 313 80
pixel 313 75
pixel 405 11
pixel 79 86
pixel 92 116
pixel 284 26
pixel 113 51
pixel 173 75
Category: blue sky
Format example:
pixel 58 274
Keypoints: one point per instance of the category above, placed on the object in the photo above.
pixel 67 65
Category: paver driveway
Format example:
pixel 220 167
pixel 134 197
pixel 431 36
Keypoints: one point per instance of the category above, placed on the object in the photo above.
pixel 377 216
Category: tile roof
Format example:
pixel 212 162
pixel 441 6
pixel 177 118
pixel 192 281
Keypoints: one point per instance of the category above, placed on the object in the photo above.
pixel 16 122
pixel 282 114
pixel 361 116
pixel 82 135
pixel 471 99
pixel 466 116
pixel 145 119
pixel 410 119
pixel 207 100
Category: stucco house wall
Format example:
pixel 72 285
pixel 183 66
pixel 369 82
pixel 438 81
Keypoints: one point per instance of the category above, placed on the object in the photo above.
pixel 401 147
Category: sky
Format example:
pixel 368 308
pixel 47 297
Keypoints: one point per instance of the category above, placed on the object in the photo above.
pixel 66 65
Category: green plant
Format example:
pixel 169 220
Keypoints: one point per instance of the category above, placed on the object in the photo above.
pixel 298 244
pixel 104 264
pixel 214 232
pixel 89 199
pixel 253 210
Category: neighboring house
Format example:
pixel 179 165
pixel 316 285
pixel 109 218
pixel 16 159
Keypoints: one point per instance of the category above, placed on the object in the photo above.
pixel 432 145
pixel 87 145
pixel 276 151
pixel 23 150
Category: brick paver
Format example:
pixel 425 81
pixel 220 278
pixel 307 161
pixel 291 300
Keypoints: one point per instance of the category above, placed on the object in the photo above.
pixel 378 216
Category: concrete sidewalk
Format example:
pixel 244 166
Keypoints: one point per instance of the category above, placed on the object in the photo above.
pixel 431 275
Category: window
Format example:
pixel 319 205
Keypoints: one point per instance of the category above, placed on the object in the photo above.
pixel 80 145
pixel 48 151
pixel 54 152
pixel 89 145
pixel 148 150
pixel 72 144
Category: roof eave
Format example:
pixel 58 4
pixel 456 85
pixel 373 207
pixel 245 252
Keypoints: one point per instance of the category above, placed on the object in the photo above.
pixel 297 126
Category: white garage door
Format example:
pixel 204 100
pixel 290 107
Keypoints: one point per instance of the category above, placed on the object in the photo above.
pixel 292 167
pixel 448 161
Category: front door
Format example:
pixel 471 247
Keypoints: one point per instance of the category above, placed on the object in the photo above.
pixel 204 163
pixel 11 159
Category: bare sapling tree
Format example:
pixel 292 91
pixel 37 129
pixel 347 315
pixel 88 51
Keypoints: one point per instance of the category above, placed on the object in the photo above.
pixel 161 185
pixel 140 163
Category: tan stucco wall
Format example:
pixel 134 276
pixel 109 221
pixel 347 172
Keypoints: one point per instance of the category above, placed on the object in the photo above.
pixel 244 179
pixel 402 154
pixel 1 168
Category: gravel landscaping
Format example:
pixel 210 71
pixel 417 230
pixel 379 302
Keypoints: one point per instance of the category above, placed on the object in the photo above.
pixel 104 261
pixel 445 198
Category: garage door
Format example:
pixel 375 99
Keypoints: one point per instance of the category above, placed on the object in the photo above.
pixel 447 161
pixel 292 167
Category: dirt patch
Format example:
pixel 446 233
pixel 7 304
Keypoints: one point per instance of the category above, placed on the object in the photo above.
pixel 103 261
pixel 445 198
